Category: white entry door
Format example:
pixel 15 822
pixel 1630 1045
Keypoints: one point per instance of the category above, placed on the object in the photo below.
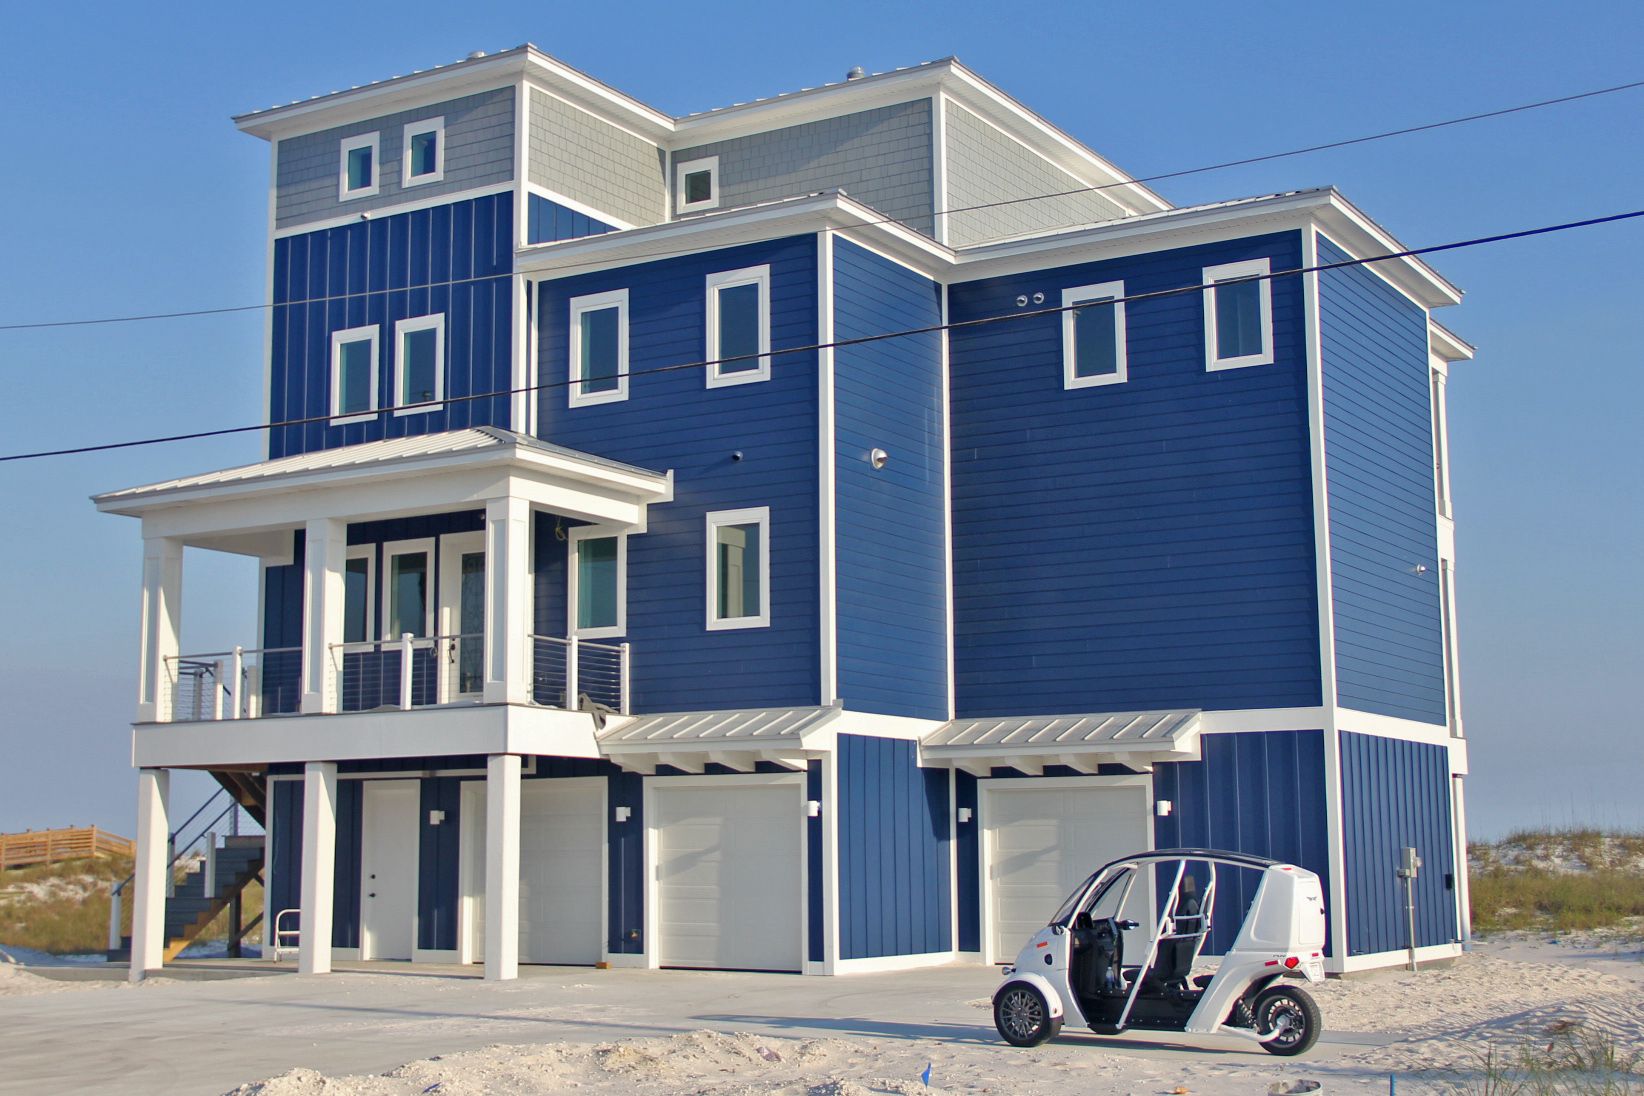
pixel 729 875
pixel 388 869
pixel 1043 838
pixel 561 870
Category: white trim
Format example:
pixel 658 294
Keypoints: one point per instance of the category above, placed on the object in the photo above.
pixel 682 168
pixel 453 546
pixel 1447 595
pixel 1081 294
pixel 1437 389
pixel 382 212
pixel 373 141
pixel 367 552
pixel 436 126
pixel 1235 721
pixel 828 562
pixel 754 515
pixel 1386 726
pixel 595 302
pixel 1352 964
pixel 435 323
pixel 729 279
pixel 522 161
pixel 830 862
pixel 391 549
pixel 363 881
pixel 573 545
pixel 1227 272
pixel 939 166
pixel 874 725
pixel 268 313
pixel 522 410
pixel 885 964
pixel 369 333
pixel 947 516
pixel 576 207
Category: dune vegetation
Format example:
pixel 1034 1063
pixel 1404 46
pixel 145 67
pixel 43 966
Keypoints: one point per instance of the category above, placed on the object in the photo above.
pixel 1552 880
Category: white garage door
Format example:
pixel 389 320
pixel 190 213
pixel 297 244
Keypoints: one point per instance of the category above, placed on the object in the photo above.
pixel 728 876
pixel 561 853
pixel 1043 841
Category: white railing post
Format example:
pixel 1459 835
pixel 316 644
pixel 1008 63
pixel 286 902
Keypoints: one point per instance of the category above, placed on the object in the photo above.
pixel 236 691
pixel 210 867
pixel 571 659
pixel 114 921
pixel 217 689
pixel 405 671
pixel 171 863
pixel 626 668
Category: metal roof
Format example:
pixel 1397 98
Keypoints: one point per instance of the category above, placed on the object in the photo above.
pixel 1105 730
pixel 751 727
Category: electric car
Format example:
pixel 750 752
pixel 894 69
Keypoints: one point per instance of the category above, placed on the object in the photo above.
pixel 1121 954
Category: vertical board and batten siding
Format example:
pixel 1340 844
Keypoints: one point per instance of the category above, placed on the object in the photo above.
pixel 378 272
pixel 1396 794
pixel 1139 545
pixel 479 152
pixel 549 222
pixel 882 157
pixel 438 883
pixel 281 679
pixel 895 886
pixel 816 878
pixel 890 574
pixel 1258 792
pixel 986 166
pixel 572 153
pixel 285 869
pixel 672 421
pixel 1378 451
pixel 968 869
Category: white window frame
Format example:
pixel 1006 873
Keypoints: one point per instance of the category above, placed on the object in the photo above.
pixel 755 515
pixel 1229 272
pixel 435 323
pixel 367 552
pixel 728 279
pixel 572 592
pixel 394 548
pixel 373 141
pixel 435 126
pixel 369 333
pixel 1070 358
pixel 595 302
pixel 710 164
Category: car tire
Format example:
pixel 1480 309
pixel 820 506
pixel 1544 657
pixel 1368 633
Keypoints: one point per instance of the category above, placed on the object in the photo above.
pixel 1023 1017
pixel 1294 1009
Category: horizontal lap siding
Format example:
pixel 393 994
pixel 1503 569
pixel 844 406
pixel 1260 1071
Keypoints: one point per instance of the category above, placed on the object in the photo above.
pixel 895 862
pixel 891 571
pixel 672 421
pixel 378 272
pixel 1138 545
pixel 1396 794
pixel 1378 440
pixel 1260 793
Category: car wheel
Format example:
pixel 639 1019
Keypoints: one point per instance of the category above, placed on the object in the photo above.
pixel 1023 1017
pixel 1293 1014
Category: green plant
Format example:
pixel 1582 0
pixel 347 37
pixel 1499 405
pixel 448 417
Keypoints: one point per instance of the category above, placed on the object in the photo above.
pixel 1570 1060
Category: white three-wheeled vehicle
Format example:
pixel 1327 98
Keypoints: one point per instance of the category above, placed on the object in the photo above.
pixel 1118 959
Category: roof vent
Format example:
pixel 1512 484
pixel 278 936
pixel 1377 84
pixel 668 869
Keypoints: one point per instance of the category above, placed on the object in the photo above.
pixel 856 73
pixel 476 55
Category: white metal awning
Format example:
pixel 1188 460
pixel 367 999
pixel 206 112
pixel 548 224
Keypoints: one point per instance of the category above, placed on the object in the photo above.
pixel 1028 743
pixel 737 739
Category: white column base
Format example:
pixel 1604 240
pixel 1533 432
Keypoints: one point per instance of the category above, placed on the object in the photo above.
pixel 148 900
pixel 319 863
pixel 502 868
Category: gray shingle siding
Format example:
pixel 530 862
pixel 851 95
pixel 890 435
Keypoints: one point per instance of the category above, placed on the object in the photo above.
pixel 881 157
pixel 479 151
pixel 582 158
pixel 986 165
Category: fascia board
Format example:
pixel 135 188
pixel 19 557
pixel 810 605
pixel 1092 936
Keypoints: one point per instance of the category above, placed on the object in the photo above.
pixel 1349 228
pixel 1447 345
pixel 798 107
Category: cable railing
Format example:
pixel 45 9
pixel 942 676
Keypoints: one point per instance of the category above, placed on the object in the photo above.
pixel 242 683
pixel 410 672
pixel 225 822
pixel 564 671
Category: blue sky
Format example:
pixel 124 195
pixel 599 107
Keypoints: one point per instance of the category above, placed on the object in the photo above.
pixel 127 190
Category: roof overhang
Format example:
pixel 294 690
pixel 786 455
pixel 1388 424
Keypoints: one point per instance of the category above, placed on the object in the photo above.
pixel 1029 743
pixel 737 739
pixel 1446 345
pixel 245 509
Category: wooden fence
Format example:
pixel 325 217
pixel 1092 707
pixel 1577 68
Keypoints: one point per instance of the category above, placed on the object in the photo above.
pixel 50 846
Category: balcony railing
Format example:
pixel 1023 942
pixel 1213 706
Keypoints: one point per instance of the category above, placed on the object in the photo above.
pixel 410 672
pixel 243 683
pixel 563 671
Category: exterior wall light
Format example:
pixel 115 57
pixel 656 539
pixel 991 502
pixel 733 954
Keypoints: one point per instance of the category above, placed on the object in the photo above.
pixel 813 808
pixel 877 458
pixel 1162 808
pixel 964 814
pixel 622 814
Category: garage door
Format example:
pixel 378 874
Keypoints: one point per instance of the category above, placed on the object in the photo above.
pixel 1043 842
pixel 728 876
pixel 561 854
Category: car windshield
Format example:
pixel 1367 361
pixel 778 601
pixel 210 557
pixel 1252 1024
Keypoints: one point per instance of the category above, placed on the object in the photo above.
pixel 1064 912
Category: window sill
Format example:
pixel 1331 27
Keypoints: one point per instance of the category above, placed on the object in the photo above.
pixel 738 624
pixel 1245 362
pixel 347 420
pixel 401 412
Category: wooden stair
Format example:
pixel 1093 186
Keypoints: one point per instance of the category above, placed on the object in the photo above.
pixel 188 911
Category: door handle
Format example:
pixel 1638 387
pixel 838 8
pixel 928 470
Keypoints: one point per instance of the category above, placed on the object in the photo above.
pixel 373 894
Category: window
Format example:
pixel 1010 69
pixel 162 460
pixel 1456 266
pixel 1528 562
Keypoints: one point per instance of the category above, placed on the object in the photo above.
pixel 739 577
pixel 419 364
pixel 599 348
pixel 423 156
pixel 1093 336
pixel 739 326
pixel 358 174
pixel 1238 315
pixel 598 594
pixel 696 184
pixel 359 593
pixel 354 375
pixel 408 595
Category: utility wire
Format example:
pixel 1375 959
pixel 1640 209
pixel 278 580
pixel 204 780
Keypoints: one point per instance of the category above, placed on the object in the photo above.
pixel 956 325
pixel 1182 173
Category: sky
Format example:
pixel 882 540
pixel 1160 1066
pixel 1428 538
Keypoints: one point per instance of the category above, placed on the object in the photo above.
pixel 127 190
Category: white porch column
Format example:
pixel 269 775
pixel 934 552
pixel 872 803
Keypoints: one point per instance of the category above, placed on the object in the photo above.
pixel 507 601
pixel 319 862
pixel 502 867
pixel 148 900
pixel 161 624
pixel 325 556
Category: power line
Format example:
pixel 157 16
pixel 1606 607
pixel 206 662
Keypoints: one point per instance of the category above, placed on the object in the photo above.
pixel 1182 173
pixel 955 325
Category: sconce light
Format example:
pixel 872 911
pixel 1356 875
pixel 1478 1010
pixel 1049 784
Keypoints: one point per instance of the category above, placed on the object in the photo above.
pixel 813 808
pixel 877 458
pixel 1420 568
pixel 964 815
pixel 1162 808
pixel 622 814
pixel 436 817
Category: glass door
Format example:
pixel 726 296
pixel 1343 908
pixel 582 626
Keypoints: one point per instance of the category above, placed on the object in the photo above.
pixel 462 615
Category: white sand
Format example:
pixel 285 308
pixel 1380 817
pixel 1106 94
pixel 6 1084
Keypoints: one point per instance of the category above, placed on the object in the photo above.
pixel 15 981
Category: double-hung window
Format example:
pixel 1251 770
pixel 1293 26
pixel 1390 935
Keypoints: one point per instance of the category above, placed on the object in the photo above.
pixel 696 184
pixel 599 348
pixel 354 375
pixel 408 595
pixel 598 583
pixel 357 176
pixel 739 569
pixel 739 326
pixel 1238 315
pixel 359 592
pixel 423 154
pixel 419 364
pixel 1093 335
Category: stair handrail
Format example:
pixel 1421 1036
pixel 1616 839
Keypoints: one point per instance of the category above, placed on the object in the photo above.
pixel 178 852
